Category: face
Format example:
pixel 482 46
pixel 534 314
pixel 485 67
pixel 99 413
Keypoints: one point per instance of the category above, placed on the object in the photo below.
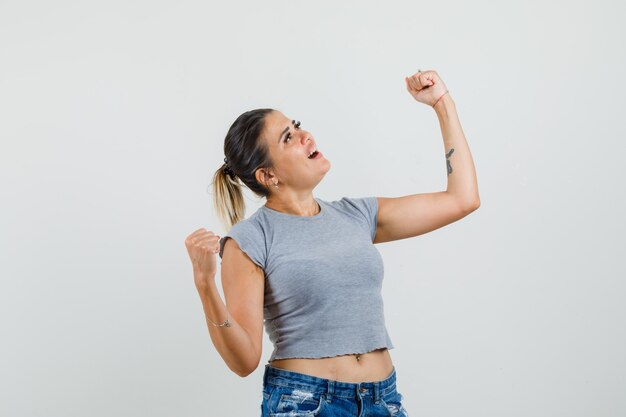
pixel 289 146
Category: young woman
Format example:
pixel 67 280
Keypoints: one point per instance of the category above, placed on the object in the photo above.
pixel 307 268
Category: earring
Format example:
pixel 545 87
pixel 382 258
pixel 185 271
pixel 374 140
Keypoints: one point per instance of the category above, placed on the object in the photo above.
pixel 276 185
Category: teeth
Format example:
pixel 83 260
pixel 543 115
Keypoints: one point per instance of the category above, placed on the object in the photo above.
pixel 312 152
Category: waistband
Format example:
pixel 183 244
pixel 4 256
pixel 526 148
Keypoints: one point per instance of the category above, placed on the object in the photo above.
pixel 330 387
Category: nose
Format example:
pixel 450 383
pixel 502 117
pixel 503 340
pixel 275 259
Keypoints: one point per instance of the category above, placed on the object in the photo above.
pixel 305 139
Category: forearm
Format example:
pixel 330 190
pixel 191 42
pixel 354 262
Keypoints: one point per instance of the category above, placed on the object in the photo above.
pixel 462 182
pixel 233 342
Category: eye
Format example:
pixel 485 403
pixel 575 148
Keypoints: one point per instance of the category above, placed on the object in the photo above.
pixel 288 137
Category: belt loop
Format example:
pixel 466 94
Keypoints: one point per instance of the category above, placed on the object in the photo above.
pixel 330 391
pixel 376 392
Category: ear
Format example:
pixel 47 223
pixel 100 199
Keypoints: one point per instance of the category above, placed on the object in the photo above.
pixel 264 176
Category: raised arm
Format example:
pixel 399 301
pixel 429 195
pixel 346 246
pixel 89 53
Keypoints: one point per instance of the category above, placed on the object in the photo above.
pixel 416 214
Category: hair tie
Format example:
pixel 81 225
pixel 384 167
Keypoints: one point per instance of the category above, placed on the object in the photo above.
pixel 227 169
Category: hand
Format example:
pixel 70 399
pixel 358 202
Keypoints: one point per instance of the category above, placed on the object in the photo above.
pixel 426 87
pixel 202 245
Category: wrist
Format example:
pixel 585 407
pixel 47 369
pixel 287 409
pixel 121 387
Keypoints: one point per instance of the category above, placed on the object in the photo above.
pixel 204 283
pixel 444 104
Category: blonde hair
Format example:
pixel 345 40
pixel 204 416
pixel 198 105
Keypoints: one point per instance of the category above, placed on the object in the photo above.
pixel 228 201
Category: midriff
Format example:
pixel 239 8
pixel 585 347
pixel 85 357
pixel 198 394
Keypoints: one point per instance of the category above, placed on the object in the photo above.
pixel 371 366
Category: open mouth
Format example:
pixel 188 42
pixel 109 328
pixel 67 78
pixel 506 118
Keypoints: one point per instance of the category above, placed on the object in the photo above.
pixel 315 155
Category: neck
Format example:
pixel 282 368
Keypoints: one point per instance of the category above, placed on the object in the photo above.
pixel 305 207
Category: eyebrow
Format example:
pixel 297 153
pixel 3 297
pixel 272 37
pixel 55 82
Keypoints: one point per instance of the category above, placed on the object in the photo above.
pixel 293 122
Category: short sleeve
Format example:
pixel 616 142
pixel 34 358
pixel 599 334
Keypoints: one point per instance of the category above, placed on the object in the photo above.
pixel 367 209
pixel 251 241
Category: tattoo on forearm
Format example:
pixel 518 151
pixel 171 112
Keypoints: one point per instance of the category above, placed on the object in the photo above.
pixel 448 161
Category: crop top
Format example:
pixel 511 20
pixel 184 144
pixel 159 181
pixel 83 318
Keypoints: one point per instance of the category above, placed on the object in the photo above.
pixel 323 278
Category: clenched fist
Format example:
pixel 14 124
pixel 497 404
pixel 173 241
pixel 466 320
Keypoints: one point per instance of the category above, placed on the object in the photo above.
pixel 426 87
pixel 202 246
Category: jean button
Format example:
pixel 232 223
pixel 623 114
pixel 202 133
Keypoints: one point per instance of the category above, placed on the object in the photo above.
pixel 363 389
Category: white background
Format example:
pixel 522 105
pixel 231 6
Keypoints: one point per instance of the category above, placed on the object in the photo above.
pixel 112 120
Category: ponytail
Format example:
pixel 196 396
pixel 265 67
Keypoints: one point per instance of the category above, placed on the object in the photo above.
pixel 228 200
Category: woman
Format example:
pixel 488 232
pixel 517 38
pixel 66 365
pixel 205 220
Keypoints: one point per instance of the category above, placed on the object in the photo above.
pixel 307 268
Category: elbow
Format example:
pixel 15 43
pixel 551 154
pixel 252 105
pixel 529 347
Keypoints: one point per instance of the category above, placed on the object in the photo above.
pixel 466 203
pixel 246 370
pixel 470 206
pixel 242 372
pixel 246 374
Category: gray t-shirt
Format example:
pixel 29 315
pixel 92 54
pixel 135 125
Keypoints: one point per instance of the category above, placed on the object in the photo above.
pixel 323 278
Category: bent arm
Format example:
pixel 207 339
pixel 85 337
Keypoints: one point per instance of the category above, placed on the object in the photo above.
pixel 233 343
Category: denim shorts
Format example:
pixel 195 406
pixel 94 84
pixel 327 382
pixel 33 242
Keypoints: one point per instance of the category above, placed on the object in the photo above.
pixel 293 394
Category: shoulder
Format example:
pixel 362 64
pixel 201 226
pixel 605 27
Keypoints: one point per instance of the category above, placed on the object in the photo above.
pixel 253 224
pixel 364 210
pixel 252 228
pixel 251 238
pixel 362 206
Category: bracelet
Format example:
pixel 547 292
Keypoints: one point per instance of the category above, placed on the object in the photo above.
pixel 225 324
pixel 440 98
